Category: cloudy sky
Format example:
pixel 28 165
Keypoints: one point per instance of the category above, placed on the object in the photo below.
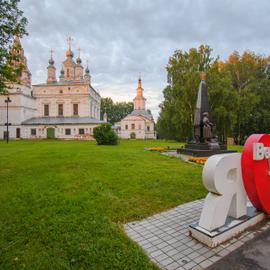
pixel 122 38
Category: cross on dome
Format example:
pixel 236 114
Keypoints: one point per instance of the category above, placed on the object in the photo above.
pixel 69 53
pixel 51 62
pixel 51 52
pixel 69 40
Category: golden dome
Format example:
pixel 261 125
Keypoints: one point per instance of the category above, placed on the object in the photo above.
pixel 69 53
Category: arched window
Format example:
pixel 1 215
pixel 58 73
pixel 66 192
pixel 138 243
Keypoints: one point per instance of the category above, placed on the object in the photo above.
pixel 67 72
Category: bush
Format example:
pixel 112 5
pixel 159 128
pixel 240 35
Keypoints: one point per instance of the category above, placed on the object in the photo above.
pixel 104 135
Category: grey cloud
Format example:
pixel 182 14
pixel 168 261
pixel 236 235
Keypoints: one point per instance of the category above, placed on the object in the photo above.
pixel 121 38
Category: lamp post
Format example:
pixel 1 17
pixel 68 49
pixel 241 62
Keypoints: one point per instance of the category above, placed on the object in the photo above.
pixel 8 100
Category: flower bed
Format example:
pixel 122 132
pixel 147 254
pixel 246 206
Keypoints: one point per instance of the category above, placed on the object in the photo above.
pixel 198 160
pixel 157 149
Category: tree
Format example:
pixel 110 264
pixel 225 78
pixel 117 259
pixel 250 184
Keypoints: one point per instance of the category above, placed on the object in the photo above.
pixel 177 111
pixel 223 100
pixel 115 111
pixel 244 70
pixel 12 23
pixel 238 91
pixel 104 135
pixel 259 120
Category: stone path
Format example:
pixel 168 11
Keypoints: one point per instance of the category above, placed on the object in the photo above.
pixel 165 239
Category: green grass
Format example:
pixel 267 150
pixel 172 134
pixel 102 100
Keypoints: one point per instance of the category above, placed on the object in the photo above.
pixel 63 203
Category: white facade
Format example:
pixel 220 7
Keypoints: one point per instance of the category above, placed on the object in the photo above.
pixel 140 123
pixel 21 108
pixel 68 108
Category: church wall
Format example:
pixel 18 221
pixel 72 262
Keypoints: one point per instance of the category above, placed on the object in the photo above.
pixel 21 107
pixel 140 128
pixel 59 131
pixel 12 131
pixel 88 100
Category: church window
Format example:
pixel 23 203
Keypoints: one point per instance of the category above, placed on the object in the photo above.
pixel 132 126
pixel 140 126
pixel 60 109
pixel 61 91
pixel 81 131
pixel 68 131
pixel 126 126
pixel 75 109
pixel 33 131
pixel 46 109
pixel 148 128
pixel 67 72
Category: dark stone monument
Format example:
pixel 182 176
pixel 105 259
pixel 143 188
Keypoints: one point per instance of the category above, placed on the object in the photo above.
pixel 203 144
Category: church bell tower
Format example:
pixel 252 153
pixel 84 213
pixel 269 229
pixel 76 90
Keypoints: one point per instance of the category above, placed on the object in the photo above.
pixel 139 100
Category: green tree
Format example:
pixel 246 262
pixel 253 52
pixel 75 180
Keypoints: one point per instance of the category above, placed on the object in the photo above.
pixel 115 111
pixel 223 100
pixel 12 22
pixel 244 70
pixel 259 120
pixel 177 111
pixel 104 135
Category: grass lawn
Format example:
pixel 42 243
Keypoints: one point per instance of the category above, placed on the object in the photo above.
pixel 63 203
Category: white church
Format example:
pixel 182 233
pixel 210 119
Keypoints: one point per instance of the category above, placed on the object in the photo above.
pixel 67 108
pixel 139 124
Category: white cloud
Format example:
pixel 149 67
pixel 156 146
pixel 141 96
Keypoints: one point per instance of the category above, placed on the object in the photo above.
pixel 124 37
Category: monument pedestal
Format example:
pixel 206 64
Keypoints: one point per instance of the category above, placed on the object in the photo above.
pixel 204 149
pixel 231 228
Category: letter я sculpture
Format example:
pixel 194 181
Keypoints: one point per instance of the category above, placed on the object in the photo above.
pixel 203 144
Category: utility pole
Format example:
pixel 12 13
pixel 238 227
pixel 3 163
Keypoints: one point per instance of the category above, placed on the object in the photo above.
pixel 8 100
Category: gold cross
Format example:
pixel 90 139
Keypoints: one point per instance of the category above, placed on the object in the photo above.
pixel 51 51
pixel 69 40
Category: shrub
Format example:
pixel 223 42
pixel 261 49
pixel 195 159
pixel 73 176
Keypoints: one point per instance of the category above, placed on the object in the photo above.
pixel 104 135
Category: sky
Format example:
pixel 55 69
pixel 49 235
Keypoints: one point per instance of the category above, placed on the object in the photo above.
pixel 124 38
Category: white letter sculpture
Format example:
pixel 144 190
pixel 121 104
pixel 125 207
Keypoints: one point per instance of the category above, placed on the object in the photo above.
pixel 222 176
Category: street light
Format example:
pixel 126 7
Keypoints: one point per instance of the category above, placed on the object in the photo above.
pixel 8 100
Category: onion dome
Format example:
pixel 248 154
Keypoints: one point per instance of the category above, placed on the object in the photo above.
pixel 51 61
pixel 87 71
pixel 69 53
pixel 62 71
pixel 79 60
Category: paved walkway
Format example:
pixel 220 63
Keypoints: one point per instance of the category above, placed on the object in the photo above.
pixel 165 239
pixel 255 255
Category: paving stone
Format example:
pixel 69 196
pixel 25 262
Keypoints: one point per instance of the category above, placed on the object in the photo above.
pixel 187 251
pixel 165 238
pixel 193 255
pixel 166 262
pixel 224 252
pixel 156 253
pixel 189 265
pixel 172 252
pixel 199 259
pixel 197 267
pixel 205 264
pixel 172 266
pixel 161 257
pixel 214 258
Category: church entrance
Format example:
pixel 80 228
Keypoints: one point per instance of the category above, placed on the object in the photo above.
pixel 18 133
pixel 50 133
pixel 132 135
